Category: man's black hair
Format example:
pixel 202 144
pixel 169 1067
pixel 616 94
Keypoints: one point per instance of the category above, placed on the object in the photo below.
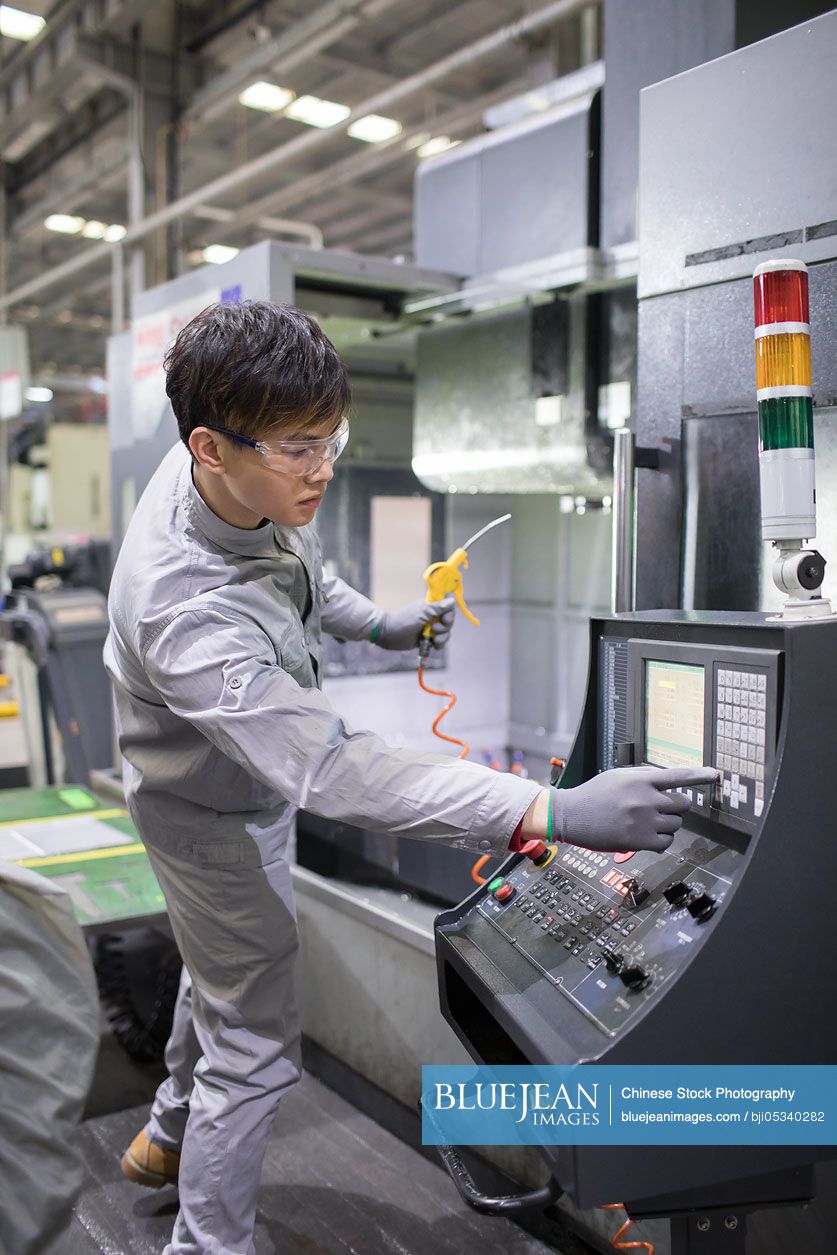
pixel 256 368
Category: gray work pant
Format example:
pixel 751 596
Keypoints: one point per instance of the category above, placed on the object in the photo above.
pixel 236 1050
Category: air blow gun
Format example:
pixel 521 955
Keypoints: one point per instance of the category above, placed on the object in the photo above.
pixel 443 578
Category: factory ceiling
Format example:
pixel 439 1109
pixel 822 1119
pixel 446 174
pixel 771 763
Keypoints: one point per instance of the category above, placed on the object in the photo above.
pixel 117 108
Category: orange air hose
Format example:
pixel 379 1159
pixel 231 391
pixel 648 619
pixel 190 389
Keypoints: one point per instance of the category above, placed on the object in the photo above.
pixel 617 1237
pixel 465 751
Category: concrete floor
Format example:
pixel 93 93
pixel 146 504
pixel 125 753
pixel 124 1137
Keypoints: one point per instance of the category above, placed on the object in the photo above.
pixel 334 1183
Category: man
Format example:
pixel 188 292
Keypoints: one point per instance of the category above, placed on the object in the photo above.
pixel 217 605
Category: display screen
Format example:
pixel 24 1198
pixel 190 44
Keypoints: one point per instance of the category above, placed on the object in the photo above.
pixel 673 714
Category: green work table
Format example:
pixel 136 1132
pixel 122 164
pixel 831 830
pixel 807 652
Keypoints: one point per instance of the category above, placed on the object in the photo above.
pixel 86 845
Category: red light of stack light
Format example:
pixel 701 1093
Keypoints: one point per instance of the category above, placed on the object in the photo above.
pixel 781 296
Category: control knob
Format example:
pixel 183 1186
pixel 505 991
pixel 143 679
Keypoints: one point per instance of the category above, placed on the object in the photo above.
pixel 635 978
pixel 701 907
pixel 676 893
pixel 635 893
pixel 613 962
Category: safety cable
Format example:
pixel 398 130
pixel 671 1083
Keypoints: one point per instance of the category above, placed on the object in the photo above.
pixel 617 1237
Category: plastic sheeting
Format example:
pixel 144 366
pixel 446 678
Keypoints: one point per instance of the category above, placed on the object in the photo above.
pixel 49 1033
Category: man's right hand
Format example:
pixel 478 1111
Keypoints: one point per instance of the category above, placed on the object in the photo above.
pixel 627 808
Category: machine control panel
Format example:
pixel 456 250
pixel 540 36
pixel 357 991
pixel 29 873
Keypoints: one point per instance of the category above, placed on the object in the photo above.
pixel 608 931
pixel 675 704
pixel 609 935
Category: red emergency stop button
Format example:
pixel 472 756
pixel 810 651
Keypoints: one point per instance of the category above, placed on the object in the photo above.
pixel 504 892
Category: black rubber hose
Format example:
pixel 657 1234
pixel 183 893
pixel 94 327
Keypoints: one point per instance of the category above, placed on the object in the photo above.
pixel 500 1204
pixel 143 1040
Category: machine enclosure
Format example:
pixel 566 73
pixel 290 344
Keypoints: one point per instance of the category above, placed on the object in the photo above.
pixel 755 985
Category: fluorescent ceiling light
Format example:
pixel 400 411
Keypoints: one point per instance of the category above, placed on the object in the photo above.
pixel 15 24
pixel 316 112
pixel 38 394
pixel 268 97
pixel 217 254
pixel 439 144
pixel 94 230
pixel 114 233
pixel 374 128
pixel 65 224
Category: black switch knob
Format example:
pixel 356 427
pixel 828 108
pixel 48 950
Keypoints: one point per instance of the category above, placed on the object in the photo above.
pixel 613 962
pixel 676 893
pixel 701 907
pixel 635 893
pixel 635 978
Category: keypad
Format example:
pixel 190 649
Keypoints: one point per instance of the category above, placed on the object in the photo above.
pixel 740 738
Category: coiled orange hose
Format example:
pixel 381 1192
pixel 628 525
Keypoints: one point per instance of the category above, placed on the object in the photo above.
pixel 617 1237
pixel 465 751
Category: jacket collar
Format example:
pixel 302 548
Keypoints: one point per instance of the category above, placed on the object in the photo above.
pixel 251 542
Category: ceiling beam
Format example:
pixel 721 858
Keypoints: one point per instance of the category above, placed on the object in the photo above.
pixel 379 156
pixel 460 60
pixel 300 42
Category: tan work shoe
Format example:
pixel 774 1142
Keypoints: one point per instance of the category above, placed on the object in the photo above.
pixel 149 1164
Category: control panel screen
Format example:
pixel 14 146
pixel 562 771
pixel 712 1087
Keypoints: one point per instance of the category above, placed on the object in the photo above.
pixel 674 713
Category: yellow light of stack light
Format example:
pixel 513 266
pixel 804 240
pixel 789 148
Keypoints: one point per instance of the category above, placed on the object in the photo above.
pixel 782 361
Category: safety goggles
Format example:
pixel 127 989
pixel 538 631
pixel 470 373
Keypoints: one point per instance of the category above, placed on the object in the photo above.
pixel 299 458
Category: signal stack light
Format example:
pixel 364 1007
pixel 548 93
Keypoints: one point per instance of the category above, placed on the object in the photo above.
pixel 786 433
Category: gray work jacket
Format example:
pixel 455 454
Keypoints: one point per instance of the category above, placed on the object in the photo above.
pixel 214 652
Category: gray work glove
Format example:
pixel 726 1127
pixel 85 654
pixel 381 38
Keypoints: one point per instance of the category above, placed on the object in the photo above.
pixel 627 808
pixel 400 629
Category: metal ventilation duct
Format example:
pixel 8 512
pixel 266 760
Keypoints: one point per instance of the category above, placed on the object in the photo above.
pixel 500 405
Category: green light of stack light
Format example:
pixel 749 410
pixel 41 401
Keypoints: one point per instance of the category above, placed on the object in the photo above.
pixel 786 423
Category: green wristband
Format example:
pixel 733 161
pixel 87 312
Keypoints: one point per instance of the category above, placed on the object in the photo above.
pixel 376 629
pixel 549 822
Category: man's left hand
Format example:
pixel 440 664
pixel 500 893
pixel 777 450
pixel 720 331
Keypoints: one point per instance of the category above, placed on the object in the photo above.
pixel 401 629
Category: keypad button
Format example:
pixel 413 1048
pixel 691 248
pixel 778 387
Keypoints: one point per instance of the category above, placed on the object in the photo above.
pixel 759 789
pixel 742 793
pixel 759 771
pixel 760 753
pixel 758 807
pixel 762 683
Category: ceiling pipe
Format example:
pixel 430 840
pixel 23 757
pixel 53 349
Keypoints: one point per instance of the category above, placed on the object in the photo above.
pixel 284 226
pixel 531 24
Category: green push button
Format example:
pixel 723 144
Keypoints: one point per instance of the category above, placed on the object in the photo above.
pixel 495 884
